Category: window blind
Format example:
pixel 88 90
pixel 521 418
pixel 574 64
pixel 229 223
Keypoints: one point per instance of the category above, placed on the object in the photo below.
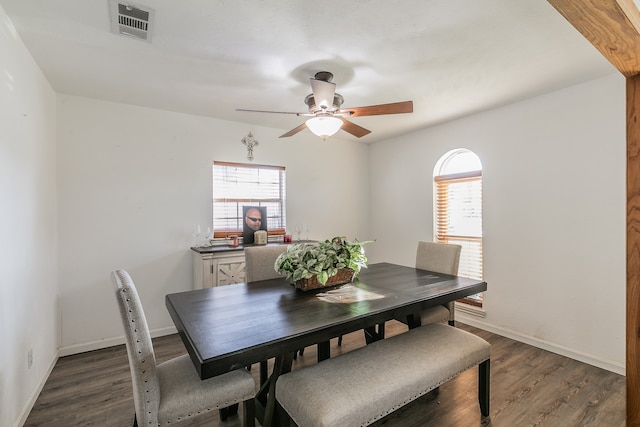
pixel 236 185
pixel 459 218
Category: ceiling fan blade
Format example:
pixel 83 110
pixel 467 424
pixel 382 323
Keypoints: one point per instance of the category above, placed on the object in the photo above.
pixel 294 131
pixel 377 110
pixel 354 129
pixel 323 93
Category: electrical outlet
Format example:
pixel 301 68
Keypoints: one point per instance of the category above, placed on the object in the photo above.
pixel 30 358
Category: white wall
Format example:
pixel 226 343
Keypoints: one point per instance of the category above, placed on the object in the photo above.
pixel 28 259
pixel 554 214
pixel 134 182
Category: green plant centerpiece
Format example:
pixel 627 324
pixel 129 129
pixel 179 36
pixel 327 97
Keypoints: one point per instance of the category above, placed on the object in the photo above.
pixel 321 261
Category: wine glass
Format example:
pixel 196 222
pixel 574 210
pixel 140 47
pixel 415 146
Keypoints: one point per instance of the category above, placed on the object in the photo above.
pixel 299 231
pixel 207 236
pixel 306 231
pixel 197 231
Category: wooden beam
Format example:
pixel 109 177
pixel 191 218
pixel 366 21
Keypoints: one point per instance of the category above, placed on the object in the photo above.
pixel 612 26
pixel 633 252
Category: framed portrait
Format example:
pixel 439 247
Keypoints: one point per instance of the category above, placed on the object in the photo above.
pixel 254 218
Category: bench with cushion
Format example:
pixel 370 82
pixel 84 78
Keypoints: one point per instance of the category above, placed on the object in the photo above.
pixel 364 385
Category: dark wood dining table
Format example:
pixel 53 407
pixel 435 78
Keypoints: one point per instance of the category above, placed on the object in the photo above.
pixel 237 325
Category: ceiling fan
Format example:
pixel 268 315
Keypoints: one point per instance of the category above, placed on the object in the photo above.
pixel 326 116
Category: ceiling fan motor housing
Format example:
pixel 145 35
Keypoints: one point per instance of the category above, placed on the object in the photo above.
pixel 313 108
pixel 325 76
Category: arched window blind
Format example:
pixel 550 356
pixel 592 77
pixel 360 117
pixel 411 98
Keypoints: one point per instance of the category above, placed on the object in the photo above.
pixel 458 211
pixel 236 185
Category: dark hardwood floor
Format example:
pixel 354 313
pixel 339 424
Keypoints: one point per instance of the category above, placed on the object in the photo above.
pixel 529 387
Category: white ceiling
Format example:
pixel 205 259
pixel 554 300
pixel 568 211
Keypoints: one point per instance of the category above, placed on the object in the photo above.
pixel 209 57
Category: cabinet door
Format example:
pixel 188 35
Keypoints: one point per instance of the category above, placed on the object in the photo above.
pixel 230 271
pixel 203 268
pixel 217 269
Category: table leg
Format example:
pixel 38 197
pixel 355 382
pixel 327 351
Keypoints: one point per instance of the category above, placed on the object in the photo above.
pixel 413 321
pixel 263 372
pixel 374 333
pixel 324 351
pixel 266 397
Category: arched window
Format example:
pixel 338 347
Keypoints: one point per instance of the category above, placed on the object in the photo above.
pixel 457 182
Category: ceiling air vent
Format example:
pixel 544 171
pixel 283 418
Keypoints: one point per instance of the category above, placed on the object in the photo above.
pixel 131 20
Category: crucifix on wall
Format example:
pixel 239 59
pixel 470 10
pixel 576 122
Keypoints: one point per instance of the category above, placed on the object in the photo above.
pixel 250 142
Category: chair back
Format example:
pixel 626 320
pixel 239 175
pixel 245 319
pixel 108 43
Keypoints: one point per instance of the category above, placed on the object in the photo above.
pixel 438 257
pixel 260 260
pixel 142 360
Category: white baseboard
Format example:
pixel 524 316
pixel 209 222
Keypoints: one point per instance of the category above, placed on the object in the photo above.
pixel 109 342
pixel 22 419
pixel 609 365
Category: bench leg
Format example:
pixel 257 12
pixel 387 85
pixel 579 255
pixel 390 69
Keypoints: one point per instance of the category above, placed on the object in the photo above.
pixel 483 386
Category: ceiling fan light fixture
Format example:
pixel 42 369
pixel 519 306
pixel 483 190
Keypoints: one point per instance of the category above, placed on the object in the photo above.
pixel 324 126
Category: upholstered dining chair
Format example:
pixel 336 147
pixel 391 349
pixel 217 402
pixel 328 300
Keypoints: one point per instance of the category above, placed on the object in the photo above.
pixel 259 264
pixel 260 260
pixel 171 392
pixel 439 258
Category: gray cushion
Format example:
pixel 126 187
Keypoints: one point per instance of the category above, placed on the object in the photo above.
pixel 184 395
pixel 362 386
pixel 438 257
pixel 436 314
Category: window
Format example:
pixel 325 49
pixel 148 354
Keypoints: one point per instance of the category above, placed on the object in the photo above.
pixel 458 210
pixel 236 185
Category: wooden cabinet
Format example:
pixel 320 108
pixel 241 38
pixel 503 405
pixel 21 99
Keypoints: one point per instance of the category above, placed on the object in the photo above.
pixel 217 267
pixel 220 265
